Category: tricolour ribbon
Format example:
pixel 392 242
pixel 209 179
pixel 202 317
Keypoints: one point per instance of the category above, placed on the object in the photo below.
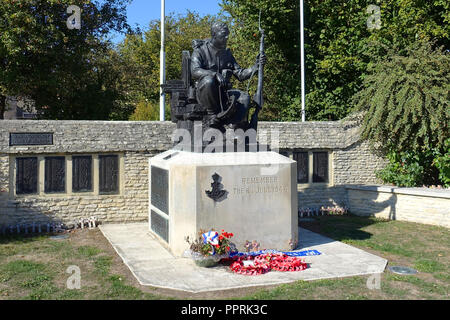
pixel 288 253
pixel 211 237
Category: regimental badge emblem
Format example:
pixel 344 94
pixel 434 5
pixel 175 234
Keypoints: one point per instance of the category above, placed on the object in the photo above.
pixel 217 193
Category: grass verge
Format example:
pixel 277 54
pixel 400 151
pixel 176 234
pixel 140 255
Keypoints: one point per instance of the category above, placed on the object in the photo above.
pixel 37 267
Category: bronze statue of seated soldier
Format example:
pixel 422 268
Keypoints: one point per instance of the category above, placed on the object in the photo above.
pixel 205 93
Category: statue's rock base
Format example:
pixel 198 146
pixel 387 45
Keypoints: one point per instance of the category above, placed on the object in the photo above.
pixel 250 194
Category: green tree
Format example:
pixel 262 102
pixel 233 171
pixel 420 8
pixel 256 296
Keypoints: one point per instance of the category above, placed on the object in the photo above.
pixel 140 55
pixel 442 162
pixel 340 41
pixel 406 104
pixel 337 47
pixel 281 73
pixel 145 111
pixel 68 72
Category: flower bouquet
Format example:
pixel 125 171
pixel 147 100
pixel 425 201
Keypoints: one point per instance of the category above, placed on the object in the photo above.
pixel 209 248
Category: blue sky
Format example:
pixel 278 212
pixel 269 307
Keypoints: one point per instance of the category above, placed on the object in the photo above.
pixel 141 12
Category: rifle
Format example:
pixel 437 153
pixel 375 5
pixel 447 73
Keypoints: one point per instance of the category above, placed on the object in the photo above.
pixel 258 98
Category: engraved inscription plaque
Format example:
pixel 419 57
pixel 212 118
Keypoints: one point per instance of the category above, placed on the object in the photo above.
pixel 320 167
pixel 81 173
pixel 302 166
pixel 55 174
pixel 160 225
pixel 25 139
pixel 160 189
pixel 26 175
pixel 109 174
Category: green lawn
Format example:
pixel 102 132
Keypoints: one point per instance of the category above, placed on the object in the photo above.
pixel 423 247
pixel 35 267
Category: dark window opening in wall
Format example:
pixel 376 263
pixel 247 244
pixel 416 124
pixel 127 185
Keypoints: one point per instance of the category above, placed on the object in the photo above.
pixel 302 166
pixel 109 173
pixel 55 174
pixel 26 175
pixel 81 173
pixel 320 166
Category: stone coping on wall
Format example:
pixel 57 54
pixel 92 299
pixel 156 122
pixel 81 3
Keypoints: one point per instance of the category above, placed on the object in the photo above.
pixel 79 136
pixel 424 192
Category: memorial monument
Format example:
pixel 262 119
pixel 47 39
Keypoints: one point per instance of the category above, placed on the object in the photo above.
pixel 217 176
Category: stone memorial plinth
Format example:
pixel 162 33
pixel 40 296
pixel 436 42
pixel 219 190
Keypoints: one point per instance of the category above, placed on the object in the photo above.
pixel 251 194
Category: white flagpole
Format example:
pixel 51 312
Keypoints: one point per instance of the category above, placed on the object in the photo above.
pixel 162 63
pixel 302 59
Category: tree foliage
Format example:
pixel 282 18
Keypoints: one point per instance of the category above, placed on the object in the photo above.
pixel 406 104
pixel 407 99
pixel 145 111
pixel 442 162
pixel 76 74
pixel 337 47
pixel 141 56
pixel 279 19
pixel 70 73
pixel 409 169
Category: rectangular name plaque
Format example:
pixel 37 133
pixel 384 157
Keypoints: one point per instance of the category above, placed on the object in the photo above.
pixel 159 225
pixel 320 167
pixel 30 139
pixel 160 189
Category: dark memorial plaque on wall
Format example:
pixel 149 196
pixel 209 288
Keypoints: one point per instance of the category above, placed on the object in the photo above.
pixel 302 166
pixel 26 175
pixel 55 174
pixel 160 189
pixel 159 225
pixel 320 167
pixel 109 174
pixel 81 173
pixel 30 139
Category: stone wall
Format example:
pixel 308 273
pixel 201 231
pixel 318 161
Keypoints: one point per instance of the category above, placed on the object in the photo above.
pixel 90 136
pixel 352 163
pixel 316 196
pixel 130 205
pixel 355 164
pixel 4 176
pixel 421 205
pixel 101 136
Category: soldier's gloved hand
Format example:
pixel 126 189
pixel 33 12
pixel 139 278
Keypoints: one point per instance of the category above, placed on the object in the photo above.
pixel 262 59
pixel 220 79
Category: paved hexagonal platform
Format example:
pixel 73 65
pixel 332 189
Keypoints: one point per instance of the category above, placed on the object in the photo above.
pixel 153 265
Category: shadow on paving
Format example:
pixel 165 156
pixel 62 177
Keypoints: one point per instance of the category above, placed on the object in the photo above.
pixel 340 228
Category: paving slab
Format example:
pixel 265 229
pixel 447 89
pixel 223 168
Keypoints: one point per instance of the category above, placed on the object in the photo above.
pixel 153 265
